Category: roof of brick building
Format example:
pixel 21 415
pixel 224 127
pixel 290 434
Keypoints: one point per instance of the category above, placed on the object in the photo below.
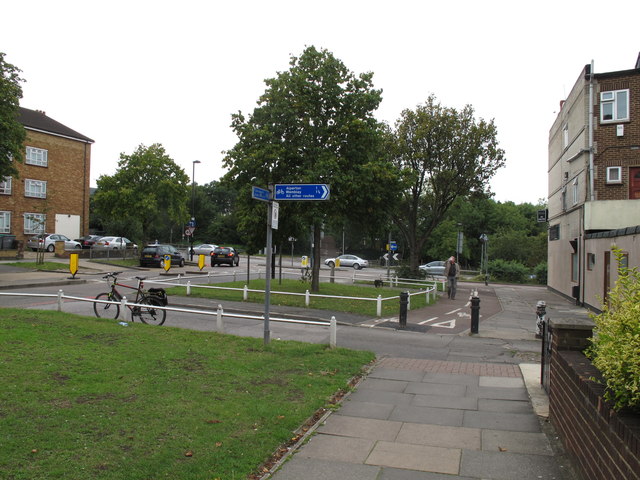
pixel 38 120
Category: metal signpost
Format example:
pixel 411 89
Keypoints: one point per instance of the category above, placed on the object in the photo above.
pixel 282 192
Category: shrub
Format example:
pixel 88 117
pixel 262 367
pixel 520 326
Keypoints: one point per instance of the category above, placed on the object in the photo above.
pixel 540 271
pixel 615 346
pixel 511 271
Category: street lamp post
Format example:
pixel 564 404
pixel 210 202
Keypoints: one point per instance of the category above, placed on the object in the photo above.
pixel 193 205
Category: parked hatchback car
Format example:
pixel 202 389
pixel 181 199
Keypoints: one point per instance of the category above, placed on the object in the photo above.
pixel 225 256
pixel 432 268
pixel 153 256
pixel 348 261
pixel 47 241
pixel 114 243
pixel 88 240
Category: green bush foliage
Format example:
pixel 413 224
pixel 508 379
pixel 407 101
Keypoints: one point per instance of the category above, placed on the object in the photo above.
pixel 615 346
pixel 540 271
pixel 508 271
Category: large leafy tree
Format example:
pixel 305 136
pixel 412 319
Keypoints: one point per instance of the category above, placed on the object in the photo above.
pixel 148 192
pixel 12 133
pixel 313 124
pixel 442 154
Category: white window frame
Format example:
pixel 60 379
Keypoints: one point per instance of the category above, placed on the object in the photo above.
pixel 565 136
pixel 34 223
pixel 619 106
pixel 35 188
pixel 5 186
pixel 614 177
pixel 37 156
pixel 5 222
pixel 574 189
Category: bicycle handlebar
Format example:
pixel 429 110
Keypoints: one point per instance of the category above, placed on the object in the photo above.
pixel 112 274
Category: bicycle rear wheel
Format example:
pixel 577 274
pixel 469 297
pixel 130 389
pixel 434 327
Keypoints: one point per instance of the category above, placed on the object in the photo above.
pixel 149 314
pixel 106 310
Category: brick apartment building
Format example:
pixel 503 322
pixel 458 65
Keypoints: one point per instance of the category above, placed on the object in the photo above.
pixel 51 193
pixel 594 184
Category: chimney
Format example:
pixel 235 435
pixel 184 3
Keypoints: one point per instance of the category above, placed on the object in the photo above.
pixel 638 61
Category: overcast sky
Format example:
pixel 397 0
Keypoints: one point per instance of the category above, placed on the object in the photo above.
pixel 133 72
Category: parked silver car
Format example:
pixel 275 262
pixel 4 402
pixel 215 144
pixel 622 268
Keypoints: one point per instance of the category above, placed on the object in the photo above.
pixel 114 243
pixel 204 249
pixel 348 261
pixel 47 241
pixel 433 268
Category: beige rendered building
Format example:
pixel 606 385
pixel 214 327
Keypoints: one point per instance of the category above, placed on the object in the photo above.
pixel 594 184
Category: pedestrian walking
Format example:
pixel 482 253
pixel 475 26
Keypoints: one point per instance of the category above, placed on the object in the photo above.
pixel 452 272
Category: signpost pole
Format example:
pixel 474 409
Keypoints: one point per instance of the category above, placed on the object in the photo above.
pixel 267 288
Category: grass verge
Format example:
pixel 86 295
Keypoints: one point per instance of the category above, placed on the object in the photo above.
pixel 88 398
pixel 351 305
pixel 50 266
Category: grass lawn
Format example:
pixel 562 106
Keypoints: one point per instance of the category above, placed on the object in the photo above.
pixel 88 398
pixel 52 266
pixel 365 307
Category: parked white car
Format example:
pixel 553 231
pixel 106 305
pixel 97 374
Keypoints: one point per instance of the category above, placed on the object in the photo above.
pixel 47 241
pixel 114 243
pixel 348 261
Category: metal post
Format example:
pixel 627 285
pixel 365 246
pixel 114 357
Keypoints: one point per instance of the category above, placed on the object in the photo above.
pixel 267 288
pixel 219 325
pixel 475 314
pixel 60 294
pixel 404 302
pixel 332 333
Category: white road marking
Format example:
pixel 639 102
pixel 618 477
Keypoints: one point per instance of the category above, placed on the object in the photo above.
pixel 453 311
pixel 427 321
pixel 447 324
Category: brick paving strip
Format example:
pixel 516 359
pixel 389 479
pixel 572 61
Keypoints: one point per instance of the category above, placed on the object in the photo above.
pixel 462 368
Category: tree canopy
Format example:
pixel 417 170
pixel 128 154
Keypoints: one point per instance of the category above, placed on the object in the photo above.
pixel 442 154
pixel 148 192
pixel 314 124
pixel 12 133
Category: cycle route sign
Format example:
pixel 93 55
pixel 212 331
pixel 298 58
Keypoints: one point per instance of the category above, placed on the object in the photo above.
pixel 301 191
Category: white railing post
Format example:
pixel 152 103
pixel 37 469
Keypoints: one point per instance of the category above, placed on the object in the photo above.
pixel 188 288
pixel 219 325
pixel 353 280
pixel 332 333
pixel 180 278
pixel 245 294
pixel 396 282
pixel 234 275
pixel 123 307
pixel 209 277
pixel 307 298
pixel 379 306
pixel 60 294
pixel 409 302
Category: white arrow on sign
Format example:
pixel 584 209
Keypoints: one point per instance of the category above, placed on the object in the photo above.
pixel 395 256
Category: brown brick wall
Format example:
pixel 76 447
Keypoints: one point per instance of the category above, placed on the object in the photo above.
pixel 614 151
pixel 604 445
pixel 67 177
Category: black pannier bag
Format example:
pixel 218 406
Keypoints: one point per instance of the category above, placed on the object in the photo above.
pixel 160 294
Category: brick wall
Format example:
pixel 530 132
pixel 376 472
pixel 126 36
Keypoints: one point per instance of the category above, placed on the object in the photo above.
pixel 612 150
pixel 67 177
pixel 603 444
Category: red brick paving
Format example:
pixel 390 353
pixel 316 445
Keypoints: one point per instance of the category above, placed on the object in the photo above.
pixel 462 368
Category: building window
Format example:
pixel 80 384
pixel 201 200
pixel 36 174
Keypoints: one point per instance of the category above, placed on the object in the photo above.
pixel 565 136
pixel 614 106
pixel 614 174
pixel 575 190
pixel 37 156
pixel 34 223
pixel 5 222
pixel 35 188
pixel 574 267
pixel 5 186
pixel 591 261
pixel 554 232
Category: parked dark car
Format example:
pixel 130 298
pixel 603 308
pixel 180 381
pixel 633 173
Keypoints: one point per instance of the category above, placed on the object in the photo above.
pixel 225 256
pixel 88 240
pixel 153 256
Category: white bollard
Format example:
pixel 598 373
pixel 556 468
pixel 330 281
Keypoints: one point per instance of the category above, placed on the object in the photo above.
pixel 307 298
pixel 353 280
pixel 208 278
pixel 245 294
pixel 180 278
pixel 234 275
pixel 379 305
pixel 188 288
pixel 60 300
pixel 219 324
pixel 123 307
pixel 332 333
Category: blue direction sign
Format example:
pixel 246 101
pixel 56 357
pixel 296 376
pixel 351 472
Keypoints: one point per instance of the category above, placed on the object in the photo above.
pixel 301 191
pixel 260 194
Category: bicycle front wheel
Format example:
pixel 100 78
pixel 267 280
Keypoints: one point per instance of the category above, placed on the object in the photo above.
pixel 148 313
pixel 106 310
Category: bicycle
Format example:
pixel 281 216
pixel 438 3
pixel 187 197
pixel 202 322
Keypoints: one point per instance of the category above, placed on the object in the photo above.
pixel 154 297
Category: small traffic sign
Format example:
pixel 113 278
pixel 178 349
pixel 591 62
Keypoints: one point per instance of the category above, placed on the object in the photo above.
pixel 301 191
pixel 393 246
pixel 188 231
pixel 166 263
pixel 261 194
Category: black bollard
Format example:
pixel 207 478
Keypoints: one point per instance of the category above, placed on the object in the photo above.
pixel 475 314
pixel 404 303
